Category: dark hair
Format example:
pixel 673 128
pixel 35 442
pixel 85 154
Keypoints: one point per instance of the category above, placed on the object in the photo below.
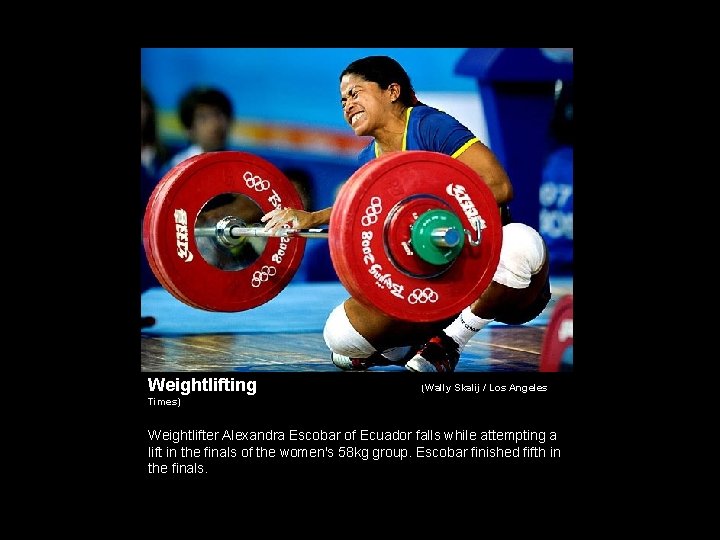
pixel 384 71
pixel 202 95
pixel 148 131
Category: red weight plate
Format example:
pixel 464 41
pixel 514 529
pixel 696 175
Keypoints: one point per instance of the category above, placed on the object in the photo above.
pixel 179 257
pixel 149 223
pixel 155 201
pixel 556 354
pixel 359 226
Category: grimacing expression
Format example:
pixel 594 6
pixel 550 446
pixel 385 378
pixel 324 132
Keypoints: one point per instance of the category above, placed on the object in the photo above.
pixel 364 104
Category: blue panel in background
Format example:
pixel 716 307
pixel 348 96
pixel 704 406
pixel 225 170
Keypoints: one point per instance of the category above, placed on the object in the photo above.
pixel 517 87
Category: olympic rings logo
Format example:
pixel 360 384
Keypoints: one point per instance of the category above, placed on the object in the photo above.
pixel 255 182
pixel 423 296
pixel 261 276
pixel 371 212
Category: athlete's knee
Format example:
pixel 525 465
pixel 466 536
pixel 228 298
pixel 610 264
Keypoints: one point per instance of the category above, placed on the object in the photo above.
pixel 342 338
pixel 522 256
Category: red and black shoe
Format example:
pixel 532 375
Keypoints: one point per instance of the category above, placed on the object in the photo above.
pixel 439 355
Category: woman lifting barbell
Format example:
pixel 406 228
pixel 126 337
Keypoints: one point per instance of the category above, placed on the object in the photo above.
pixel 378 100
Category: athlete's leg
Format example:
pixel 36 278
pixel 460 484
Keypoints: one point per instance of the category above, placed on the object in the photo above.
pixel 518 293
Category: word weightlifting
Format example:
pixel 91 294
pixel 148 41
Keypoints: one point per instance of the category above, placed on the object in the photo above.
pixel 210 384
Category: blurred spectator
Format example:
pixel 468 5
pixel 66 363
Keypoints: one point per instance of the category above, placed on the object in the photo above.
pixel 206 114
pixel 318 263
pixel 556 189
pixel 153 153
pixel 153 157
pixel 301 179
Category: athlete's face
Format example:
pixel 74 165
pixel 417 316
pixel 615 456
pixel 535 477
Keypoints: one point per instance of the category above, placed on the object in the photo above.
pixel 365 105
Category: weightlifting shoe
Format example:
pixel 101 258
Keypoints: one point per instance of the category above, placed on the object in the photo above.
pixel 359 364
pixel 439 355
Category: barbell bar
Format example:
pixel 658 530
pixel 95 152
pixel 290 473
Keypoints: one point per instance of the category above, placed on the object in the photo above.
pixel 396 234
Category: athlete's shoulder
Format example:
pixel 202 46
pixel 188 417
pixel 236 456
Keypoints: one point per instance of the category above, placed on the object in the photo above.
pixel 423 111
pixel 426 115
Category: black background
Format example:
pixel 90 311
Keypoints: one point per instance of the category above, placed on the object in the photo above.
pixel 104 334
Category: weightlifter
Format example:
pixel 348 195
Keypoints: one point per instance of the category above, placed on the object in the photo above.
pixel 378 100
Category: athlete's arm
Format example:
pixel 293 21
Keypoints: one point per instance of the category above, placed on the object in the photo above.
pixel 298 219
pixel 483 161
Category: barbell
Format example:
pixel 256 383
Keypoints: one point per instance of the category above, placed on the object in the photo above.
pixel 415 234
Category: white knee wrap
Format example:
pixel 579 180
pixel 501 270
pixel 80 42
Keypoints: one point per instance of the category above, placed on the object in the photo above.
pixel 521 256
pixel 342 338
